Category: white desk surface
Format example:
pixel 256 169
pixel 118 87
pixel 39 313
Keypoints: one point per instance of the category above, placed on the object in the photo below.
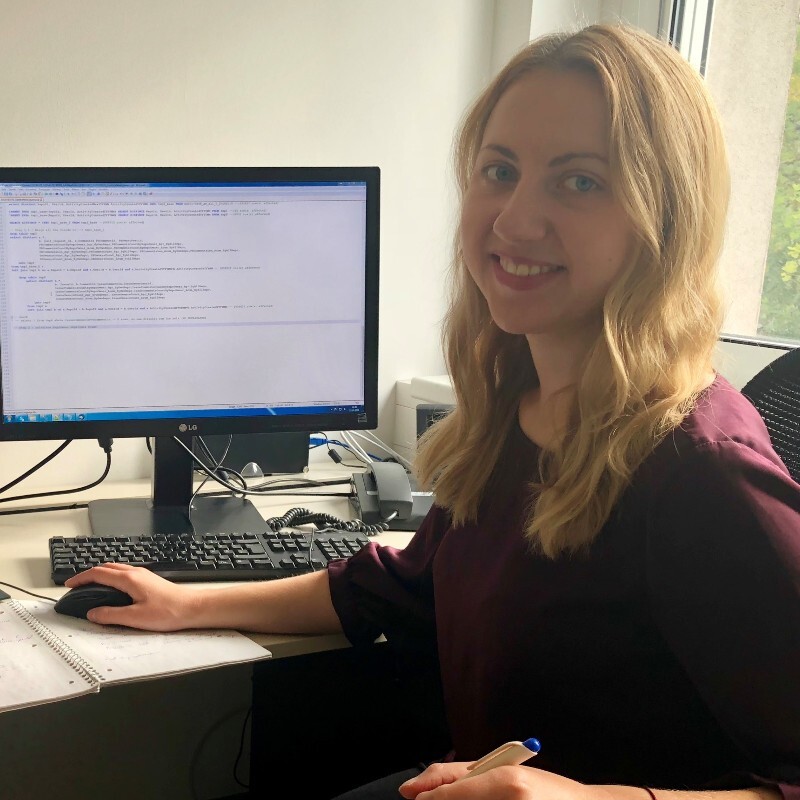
pixel 25 561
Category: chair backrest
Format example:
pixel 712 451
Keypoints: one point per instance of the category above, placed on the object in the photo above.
pixel 775 392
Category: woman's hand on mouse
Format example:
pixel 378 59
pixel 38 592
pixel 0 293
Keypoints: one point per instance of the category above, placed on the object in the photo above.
pixel 158 604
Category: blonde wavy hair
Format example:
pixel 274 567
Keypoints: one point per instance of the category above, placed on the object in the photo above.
pixel 661 317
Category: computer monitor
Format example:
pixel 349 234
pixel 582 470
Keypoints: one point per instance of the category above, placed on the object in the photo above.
pixel 176 302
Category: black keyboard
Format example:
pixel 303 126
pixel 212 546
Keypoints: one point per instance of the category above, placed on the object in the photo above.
pixel 206 557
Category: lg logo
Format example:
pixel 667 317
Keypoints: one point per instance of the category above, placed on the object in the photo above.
pixel 184 428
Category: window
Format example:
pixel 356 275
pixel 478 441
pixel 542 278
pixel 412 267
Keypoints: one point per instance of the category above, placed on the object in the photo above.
pixel 749 55
pixel 780 297
pixel 688 27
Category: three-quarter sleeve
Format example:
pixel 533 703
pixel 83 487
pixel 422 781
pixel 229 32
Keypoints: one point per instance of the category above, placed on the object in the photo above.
pixel 386 590
pixel 723 572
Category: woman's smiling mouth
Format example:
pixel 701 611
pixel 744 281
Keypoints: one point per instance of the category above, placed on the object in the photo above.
pixel 523 274
pixel 523 269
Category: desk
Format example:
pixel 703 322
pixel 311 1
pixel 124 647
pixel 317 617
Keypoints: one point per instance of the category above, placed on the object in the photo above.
pixel 173 737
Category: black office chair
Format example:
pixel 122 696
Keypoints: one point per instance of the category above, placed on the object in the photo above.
pixel 775 392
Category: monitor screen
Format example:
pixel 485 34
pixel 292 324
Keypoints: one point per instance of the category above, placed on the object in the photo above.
pixel 172 302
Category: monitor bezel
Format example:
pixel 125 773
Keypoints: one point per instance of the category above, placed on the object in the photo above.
pixel 199 426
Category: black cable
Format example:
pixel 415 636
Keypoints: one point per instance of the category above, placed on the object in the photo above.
pixel 195 760
pixel 211 471
pixel 217 462
pixel 311 549
pixel 201 443
pixel 278 484
pixel 229 486
pixel 24 475
pixel 37 509
pixel 266 489
pixel 64 491
pixel 285 492
pixel 302 516
pixel 224 472
pixel 32 594
pixel 303 483
pixel 281 493
pixel 241 750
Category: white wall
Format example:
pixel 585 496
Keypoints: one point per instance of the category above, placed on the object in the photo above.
pixel 551 15
pixel 257 82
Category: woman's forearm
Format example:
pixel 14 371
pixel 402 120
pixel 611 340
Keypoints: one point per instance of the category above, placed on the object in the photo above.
pixel 287 605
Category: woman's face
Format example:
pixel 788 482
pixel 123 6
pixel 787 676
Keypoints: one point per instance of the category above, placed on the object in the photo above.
pixel 542 234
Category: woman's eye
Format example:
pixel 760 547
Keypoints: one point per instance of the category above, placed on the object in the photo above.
pixel 499 172
pixel 580 183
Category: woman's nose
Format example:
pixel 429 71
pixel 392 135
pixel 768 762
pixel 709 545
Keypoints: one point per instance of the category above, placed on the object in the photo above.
pixel 523 215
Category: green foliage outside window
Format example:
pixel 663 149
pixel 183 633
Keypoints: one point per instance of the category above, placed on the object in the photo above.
pixel 780 299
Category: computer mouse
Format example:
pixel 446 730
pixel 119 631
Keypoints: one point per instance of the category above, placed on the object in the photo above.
pixel 78 601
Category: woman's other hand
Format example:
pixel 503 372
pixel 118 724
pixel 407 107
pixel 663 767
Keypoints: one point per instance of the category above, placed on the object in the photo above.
pixel 438 782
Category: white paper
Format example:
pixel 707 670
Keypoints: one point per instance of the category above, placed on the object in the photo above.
pixel 32 672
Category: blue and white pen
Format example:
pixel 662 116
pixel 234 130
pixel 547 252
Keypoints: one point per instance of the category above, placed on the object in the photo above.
pixel 510 753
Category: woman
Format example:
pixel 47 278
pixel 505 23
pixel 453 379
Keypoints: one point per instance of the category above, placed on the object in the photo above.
pixel 613 564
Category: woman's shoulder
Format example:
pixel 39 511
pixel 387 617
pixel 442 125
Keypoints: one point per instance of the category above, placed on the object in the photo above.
pixel 723 427
pixel 718 464
pixel 721 414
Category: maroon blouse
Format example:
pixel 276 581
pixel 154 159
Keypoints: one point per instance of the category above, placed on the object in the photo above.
pixel 667 657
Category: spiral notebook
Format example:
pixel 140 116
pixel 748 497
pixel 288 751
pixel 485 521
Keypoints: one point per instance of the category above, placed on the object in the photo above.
pixel 45 656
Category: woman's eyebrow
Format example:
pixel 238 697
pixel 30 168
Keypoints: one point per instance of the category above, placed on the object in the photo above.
pixel 503 151
pixel 563 159
pixel 554 162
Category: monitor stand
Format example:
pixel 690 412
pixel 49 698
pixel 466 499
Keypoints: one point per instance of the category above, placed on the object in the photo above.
pixel 167 511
